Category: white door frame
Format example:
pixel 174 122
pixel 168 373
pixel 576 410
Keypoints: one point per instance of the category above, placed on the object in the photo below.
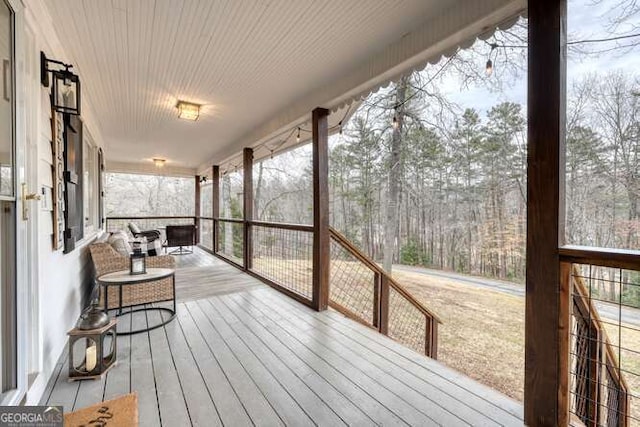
pixel 14 397
pixel 32 111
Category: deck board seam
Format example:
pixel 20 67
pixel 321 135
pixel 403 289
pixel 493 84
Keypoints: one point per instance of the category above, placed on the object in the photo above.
pixel 175 368
pixel 287 367
pixel 388 371
pixel 360 386
pixel 263 392
pixel 356 329
pixel 220 368
pixel 381 383
pixel 308 366
pixel 200 372
pixel 225 373
pixel 153 369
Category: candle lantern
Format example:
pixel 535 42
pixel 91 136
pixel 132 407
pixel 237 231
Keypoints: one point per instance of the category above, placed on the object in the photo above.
pixel 92 345
pixel 137 260
pixel 138 263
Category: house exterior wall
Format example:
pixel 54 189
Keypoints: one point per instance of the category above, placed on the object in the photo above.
pixel 64 280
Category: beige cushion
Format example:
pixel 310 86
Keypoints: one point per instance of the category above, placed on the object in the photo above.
pixel 120 242
pixel 102 238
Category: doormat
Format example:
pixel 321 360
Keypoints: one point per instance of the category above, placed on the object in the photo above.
pixel 119 412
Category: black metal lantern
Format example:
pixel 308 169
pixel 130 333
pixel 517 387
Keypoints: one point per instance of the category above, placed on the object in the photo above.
pixel 92 352
pixel 66 92
pixel 65 96
pixel 137 262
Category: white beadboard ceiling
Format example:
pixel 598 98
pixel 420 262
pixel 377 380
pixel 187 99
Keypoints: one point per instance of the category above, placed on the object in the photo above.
pixel 258 67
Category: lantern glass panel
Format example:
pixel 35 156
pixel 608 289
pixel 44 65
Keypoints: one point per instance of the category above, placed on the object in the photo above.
pixel 85 355
pixel 138 263
pixel 66 90
pixel 109 347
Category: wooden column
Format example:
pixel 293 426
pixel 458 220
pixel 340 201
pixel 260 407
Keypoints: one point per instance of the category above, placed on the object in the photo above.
pixel 215 203
pixel 321 248
pixel 546 394
pixel 196 220
pixel 247 165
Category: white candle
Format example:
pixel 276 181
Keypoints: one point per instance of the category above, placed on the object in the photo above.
pixel 90 358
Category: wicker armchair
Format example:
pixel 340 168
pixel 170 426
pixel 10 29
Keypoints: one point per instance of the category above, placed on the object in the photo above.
pixel 107 260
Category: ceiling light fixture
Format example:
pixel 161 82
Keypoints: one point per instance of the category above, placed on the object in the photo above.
pixel 158 162
pixel 188 110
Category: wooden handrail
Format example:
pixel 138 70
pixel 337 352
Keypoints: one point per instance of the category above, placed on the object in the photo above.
pixel 282 225
pixel 233 220
pixel 122 218
pixel 604 257
pixel 372 265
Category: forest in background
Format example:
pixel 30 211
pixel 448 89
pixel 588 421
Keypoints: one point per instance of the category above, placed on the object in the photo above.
pixel 461 183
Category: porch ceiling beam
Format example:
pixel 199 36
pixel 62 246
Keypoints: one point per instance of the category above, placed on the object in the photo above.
pixel 149 168
pixel 547 303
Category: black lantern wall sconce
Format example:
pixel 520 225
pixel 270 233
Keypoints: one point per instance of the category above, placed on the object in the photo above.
pixel 65 94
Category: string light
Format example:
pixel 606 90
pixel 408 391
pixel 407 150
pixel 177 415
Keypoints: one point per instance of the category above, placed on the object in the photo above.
pixel 297 130
pixel 395 122
pixel 489 68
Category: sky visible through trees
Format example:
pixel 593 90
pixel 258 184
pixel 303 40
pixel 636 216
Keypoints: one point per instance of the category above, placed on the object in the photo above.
pixel 447 187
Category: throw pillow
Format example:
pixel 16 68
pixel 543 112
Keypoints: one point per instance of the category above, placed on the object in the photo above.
pixel 120 242
pixel 154 248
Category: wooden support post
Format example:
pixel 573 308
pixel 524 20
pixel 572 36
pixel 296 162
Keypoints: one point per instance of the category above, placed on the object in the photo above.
pixel 321 242
pixel 431 337
pixel 196 220
pixel 377 282
pixel 546 393
pixel 247 165
pixel 383 327
pixel 215 203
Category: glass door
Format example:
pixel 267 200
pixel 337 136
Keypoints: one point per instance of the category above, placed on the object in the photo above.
pixel 8 322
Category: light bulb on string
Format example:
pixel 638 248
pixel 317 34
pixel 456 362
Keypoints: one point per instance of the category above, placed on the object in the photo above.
pixel 340 125
pixel 298 136
pixel 395 121
pixel 489 68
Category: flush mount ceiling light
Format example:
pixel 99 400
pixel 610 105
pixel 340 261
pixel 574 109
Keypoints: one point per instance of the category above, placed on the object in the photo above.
pixel 158 162
pixel 188 110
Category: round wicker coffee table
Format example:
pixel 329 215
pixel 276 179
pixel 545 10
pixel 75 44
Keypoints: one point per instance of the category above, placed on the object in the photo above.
pixel 124 278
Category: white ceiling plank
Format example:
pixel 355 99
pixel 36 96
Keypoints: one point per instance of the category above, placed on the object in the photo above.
pixel 258 66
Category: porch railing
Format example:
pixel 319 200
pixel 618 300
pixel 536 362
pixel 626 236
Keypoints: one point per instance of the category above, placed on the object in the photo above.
pixel 605 334
pixel 364 291
pixel 282 255
pixel 116 223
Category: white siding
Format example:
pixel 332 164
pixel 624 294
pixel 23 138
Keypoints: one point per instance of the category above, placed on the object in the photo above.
pixel 64 279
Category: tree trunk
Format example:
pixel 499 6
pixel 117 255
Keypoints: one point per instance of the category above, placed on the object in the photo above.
pixel 391 221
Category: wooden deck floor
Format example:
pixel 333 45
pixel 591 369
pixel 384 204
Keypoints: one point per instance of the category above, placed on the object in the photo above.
pixel 240 353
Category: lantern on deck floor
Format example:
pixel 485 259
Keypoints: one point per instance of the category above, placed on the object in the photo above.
pixel 92 345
